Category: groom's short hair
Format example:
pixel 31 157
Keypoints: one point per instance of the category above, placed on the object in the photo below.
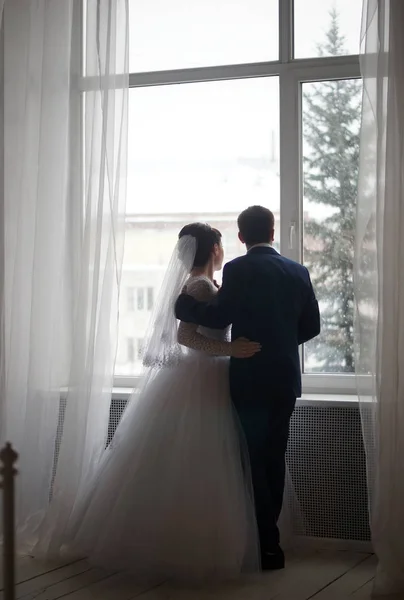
pixel 256 225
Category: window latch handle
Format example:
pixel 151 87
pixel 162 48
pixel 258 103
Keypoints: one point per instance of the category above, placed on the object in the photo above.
pixel 292 234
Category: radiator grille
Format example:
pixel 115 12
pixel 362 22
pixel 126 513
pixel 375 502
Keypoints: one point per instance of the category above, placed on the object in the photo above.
pixel 327 464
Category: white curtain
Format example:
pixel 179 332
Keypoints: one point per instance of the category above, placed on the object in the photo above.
pixel 2 340
pixel 379 284
pixel 64 207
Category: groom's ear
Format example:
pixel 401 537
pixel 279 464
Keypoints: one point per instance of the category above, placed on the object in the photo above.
pixel 240 237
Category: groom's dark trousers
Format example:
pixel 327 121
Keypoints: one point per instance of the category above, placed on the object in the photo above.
pixel 268 299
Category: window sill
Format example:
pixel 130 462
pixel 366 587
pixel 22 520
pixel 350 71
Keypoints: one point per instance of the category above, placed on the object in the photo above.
pixel 327 399
pixel 122 393
pixel 316 388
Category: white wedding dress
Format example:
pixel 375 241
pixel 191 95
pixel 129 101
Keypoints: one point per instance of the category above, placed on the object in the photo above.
pixel 173 497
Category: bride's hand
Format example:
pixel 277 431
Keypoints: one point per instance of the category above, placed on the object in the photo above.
pixel 243 348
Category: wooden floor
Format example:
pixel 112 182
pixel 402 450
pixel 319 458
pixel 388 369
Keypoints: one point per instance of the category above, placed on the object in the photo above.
pixel 322 575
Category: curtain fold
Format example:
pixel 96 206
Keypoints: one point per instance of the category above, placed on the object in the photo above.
pixel 379 284
pixel 2 259
pixel 64 203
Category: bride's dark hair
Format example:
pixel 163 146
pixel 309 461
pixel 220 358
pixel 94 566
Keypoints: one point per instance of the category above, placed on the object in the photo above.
pixel 206 237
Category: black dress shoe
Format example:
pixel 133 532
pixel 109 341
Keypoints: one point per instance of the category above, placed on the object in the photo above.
pixel 273 561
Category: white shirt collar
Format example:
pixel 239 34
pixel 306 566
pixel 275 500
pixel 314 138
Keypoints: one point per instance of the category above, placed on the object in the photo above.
pixel 259 246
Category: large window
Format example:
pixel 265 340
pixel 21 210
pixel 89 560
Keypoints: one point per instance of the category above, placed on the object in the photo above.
pixel 243 102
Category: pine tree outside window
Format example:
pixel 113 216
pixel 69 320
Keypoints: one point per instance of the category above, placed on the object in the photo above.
pixel 331 121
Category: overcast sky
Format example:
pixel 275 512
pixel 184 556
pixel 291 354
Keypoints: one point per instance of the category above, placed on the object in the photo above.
pixel 187 130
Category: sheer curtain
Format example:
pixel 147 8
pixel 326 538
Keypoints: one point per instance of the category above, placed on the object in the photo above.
pixel 65 145
pixel 379 284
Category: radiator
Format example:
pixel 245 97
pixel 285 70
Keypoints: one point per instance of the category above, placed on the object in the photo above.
pixel 327 465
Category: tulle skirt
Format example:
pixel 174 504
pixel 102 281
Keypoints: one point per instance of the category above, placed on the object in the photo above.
pixel 173 496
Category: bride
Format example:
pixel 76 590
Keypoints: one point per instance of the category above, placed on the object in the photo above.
pixel 173 498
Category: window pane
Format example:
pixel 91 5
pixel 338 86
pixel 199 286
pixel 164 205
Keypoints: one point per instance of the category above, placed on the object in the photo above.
pixel 178 34
pixel 327 27
pixel 131 350
pixel 331 121
pixel 197 152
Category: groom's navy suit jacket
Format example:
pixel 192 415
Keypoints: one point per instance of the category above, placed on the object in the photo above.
pixel 268 299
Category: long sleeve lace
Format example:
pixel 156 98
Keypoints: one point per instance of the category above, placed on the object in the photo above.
pixel 188 335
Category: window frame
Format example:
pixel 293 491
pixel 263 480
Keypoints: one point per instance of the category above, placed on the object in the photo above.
pixel 292 73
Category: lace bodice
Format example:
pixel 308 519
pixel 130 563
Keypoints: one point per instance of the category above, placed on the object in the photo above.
pixel 210 341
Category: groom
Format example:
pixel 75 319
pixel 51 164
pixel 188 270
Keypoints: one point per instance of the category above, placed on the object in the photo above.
pixel 268 299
